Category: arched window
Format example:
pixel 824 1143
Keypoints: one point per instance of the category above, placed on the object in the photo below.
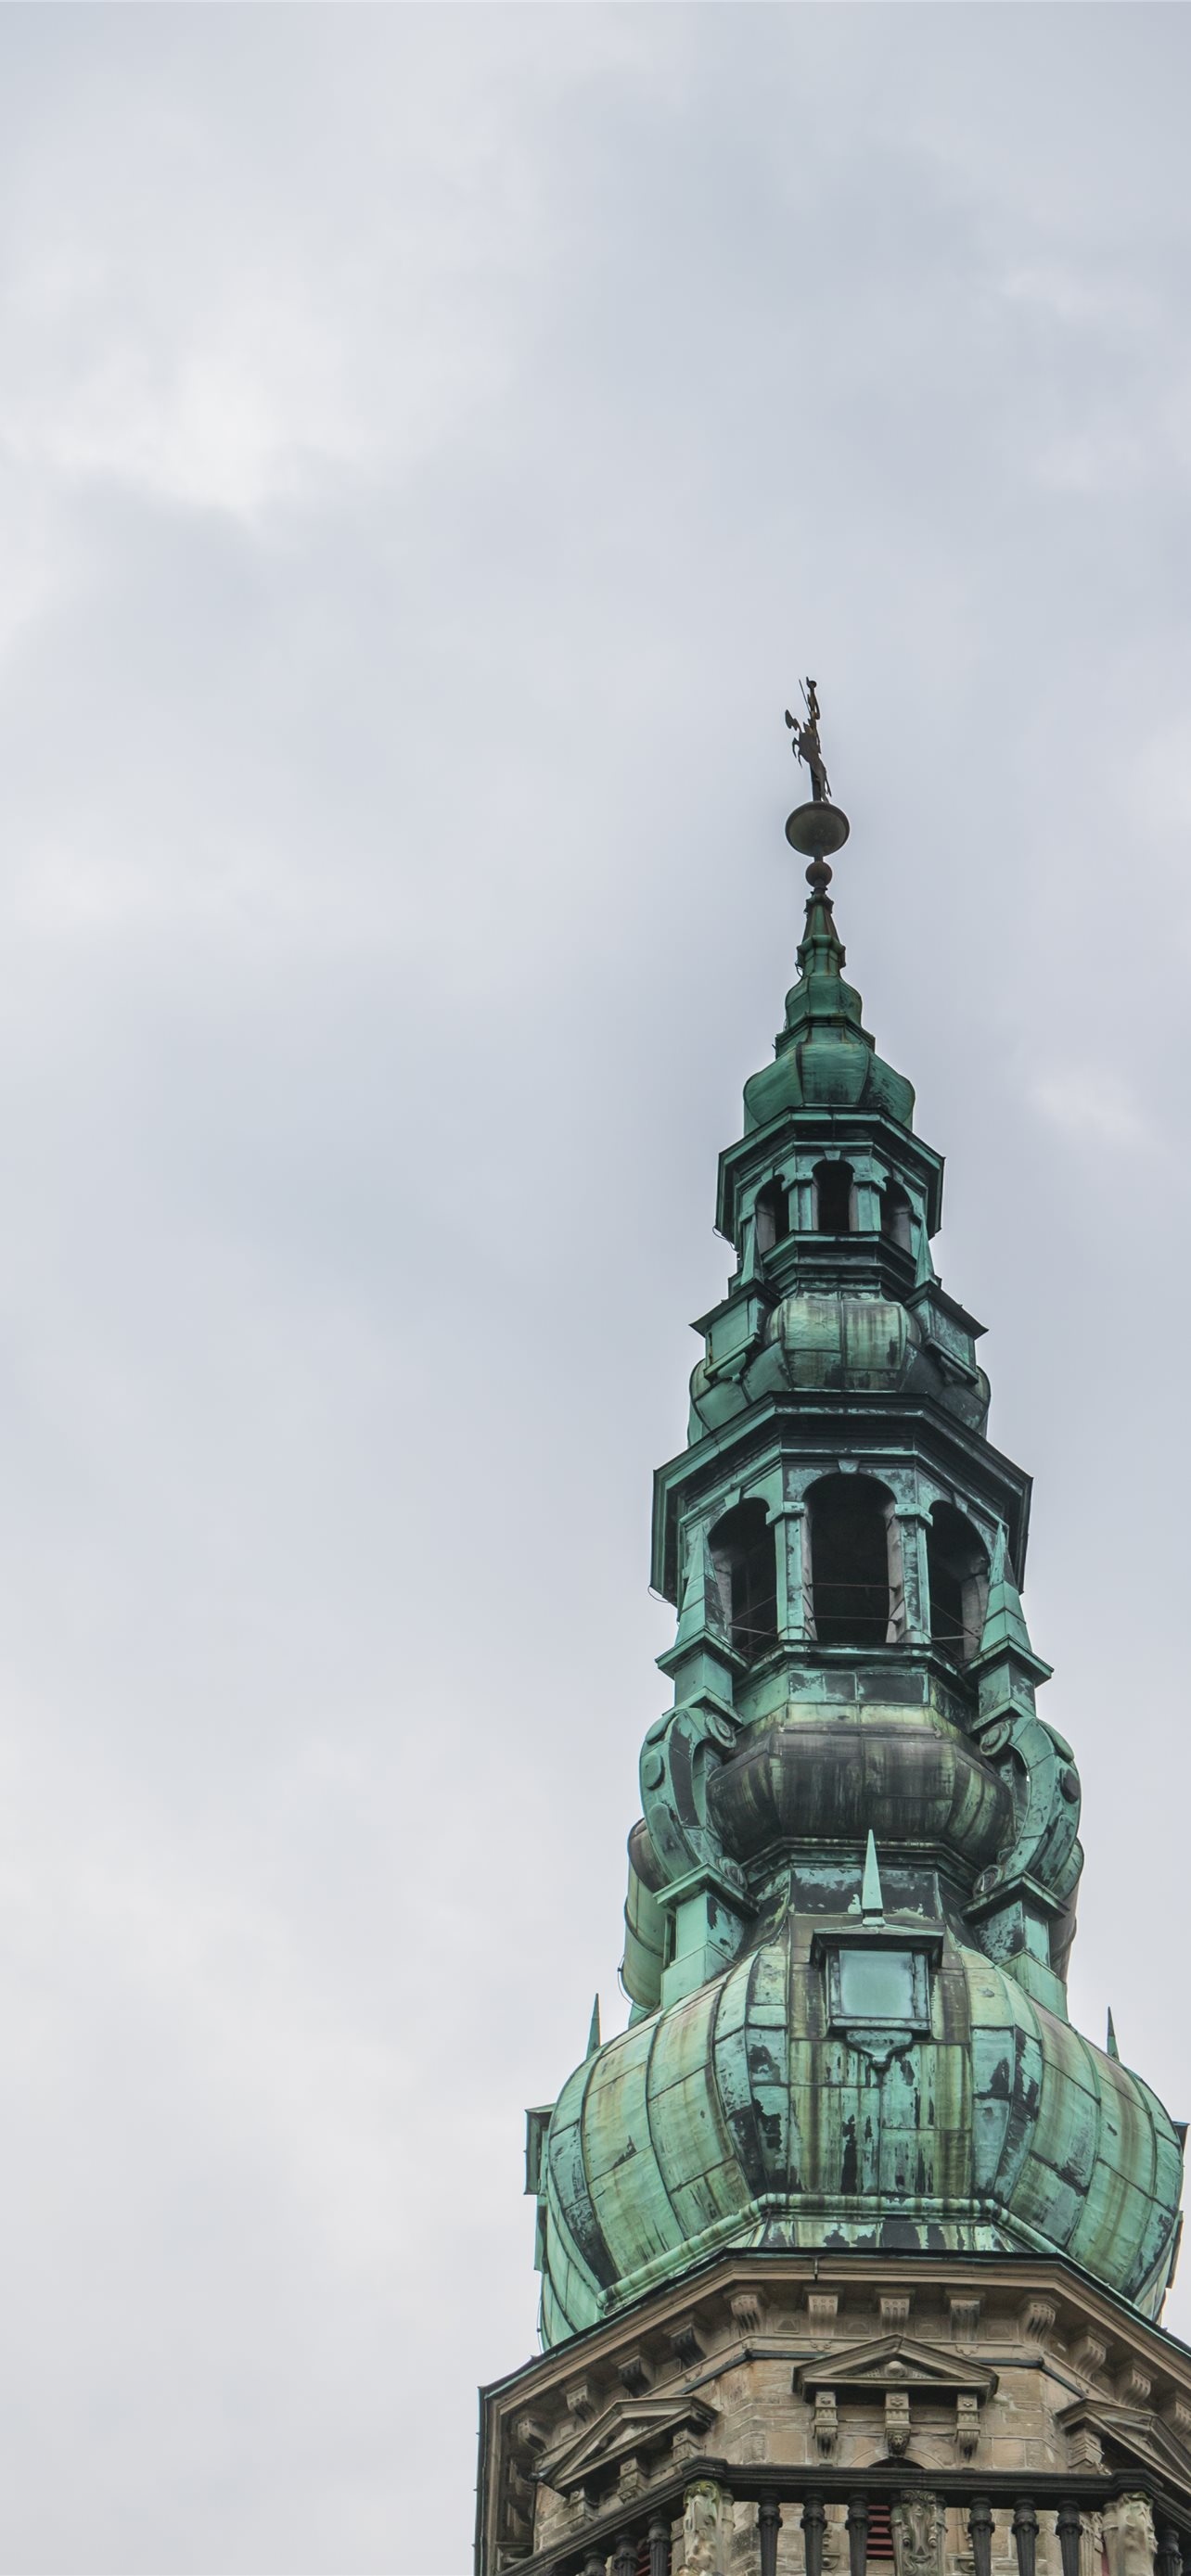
pixel 852 1597
pixel 745 1560
pixel 833 1198
pixel 895 1216
pixel 773 1215
pixel 957 1572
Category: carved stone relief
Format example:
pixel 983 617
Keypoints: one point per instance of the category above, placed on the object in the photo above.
pixel 919 2525
pixel 702 2525
pixel 1129 2536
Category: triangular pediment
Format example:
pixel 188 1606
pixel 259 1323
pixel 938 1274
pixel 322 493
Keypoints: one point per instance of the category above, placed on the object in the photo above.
pixel 632 2424
pixel 1132 2431
pixel 896 2361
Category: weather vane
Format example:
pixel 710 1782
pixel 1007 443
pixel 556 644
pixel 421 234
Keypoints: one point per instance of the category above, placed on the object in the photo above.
pixel 820 827
pixel 805 745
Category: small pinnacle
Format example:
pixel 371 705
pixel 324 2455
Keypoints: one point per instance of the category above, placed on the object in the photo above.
pixel 593 2036
pixel 872 1902
pixel 1111 2042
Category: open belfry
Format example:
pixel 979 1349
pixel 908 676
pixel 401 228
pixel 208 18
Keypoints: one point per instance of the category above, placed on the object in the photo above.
pixel 852 2250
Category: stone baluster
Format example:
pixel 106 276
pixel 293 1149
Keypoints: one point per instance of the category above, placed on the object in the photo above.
pixel 857 2525
pixel 769 2523
pixel 1025 2535
pixel 659 2547
pixel 1069 2526
pixel 813 2520
pixel 624 2556
pixel 1168 2556
pixel 980 2531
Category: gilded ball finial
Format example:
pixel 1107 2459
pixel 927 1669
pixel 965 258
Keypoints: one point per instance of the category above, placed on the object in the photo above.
pixel 820 827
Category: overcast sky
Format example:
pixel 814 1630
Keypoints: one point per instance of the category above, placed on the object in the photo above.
pixel 432 442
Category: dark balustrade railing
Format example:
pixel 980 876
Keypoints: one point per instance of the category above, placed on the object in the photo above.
pixel 635 2540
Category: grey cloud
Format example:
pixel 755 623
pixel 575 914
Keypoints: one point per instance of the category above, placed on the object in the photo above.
pixel 430 444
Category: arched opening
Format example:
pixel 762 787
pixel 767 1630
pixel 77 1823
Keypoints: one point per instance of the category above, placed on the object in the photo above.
pixel 744 1555
pixel 851 1590
pixel 833 1198
pixel 773 1215
pixel 895 1216
pixel 957 1573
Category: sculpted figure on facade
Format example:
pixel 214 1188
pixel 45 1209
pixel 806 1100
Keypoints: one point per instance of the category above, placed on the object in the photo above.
pixel 1129 2538
pixel 919 2527
pixel 702 2523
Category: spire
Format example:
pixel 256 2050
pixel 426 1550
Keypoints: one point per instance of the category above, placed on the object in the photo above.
pixel 1110 2044
pixel 593 2035
pixel 925 1273
pixel 1005 1630
pixel 872 1901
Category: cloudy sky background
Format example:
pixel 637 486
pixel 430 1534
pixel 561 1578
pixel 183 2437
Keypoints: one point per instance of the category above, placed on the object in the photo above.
pixel 431 444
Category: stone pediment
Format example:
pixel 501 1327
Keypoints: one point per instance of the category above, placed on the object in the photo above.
pixel 633 2424
pixel 1134 2431
pixel 893 2362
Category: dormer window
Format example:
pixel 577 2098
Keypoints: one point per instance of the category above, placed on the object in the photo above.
pixel 773 1215
pixel 834 1198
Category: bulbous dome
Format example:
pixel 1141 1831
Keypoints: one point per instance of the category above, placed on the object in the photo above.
pixel 827 1774
pixel 774 2107
pixel 842 1342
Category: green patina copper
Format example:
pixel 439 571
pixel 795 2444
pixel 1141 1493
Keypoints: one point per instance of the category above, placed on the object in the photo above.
pixel 852 1888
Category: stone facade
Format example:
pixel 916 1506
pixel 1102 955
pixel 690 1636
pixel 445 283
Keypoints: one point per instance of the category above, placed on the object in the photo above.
pixel 831 2371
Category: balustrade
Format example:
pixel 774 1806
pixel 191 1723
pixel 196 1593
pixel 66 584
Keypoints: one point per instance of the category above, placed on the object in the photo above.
pixel 624 2543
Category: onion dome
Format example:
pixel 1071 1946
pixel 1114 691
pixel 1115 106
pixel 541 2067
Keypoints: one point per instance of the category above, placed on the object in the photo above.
pixel 831 2089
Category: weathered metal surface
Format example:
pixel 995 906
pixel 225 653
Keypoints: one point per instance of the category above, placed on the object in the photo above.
pixel 823 2054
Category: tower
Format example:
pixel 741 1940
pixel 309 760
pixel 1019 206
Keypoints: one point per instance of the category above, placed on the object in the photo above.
pixel 852 2249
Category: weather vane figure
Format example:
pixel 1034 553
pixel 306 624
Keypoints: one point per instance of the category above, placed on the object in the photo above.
pixel 806 746
pixel 818 828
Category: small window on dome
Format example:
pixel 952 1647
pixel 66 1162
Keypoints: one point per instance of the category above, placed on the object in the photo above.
pixel 834 1198
pixel 773 1215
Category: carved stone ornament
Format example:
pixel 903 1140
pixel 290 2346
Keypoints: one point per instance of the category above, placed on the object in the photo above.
pixel 967 2427
pixel 748 2311
pixel 897 2361
pixel 1038 2319
pixel 1129 2538
pixel 1091 2545
pixel 703 2514
pixel 1099 2432
pixel 826 2424
pixel 919 2525
pixel 897 2422
pixel 1175 2412
pixel 633 2428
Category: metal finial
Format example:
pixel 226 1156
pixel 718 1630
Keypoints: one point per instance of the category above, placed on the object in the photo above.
pixel 820 827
